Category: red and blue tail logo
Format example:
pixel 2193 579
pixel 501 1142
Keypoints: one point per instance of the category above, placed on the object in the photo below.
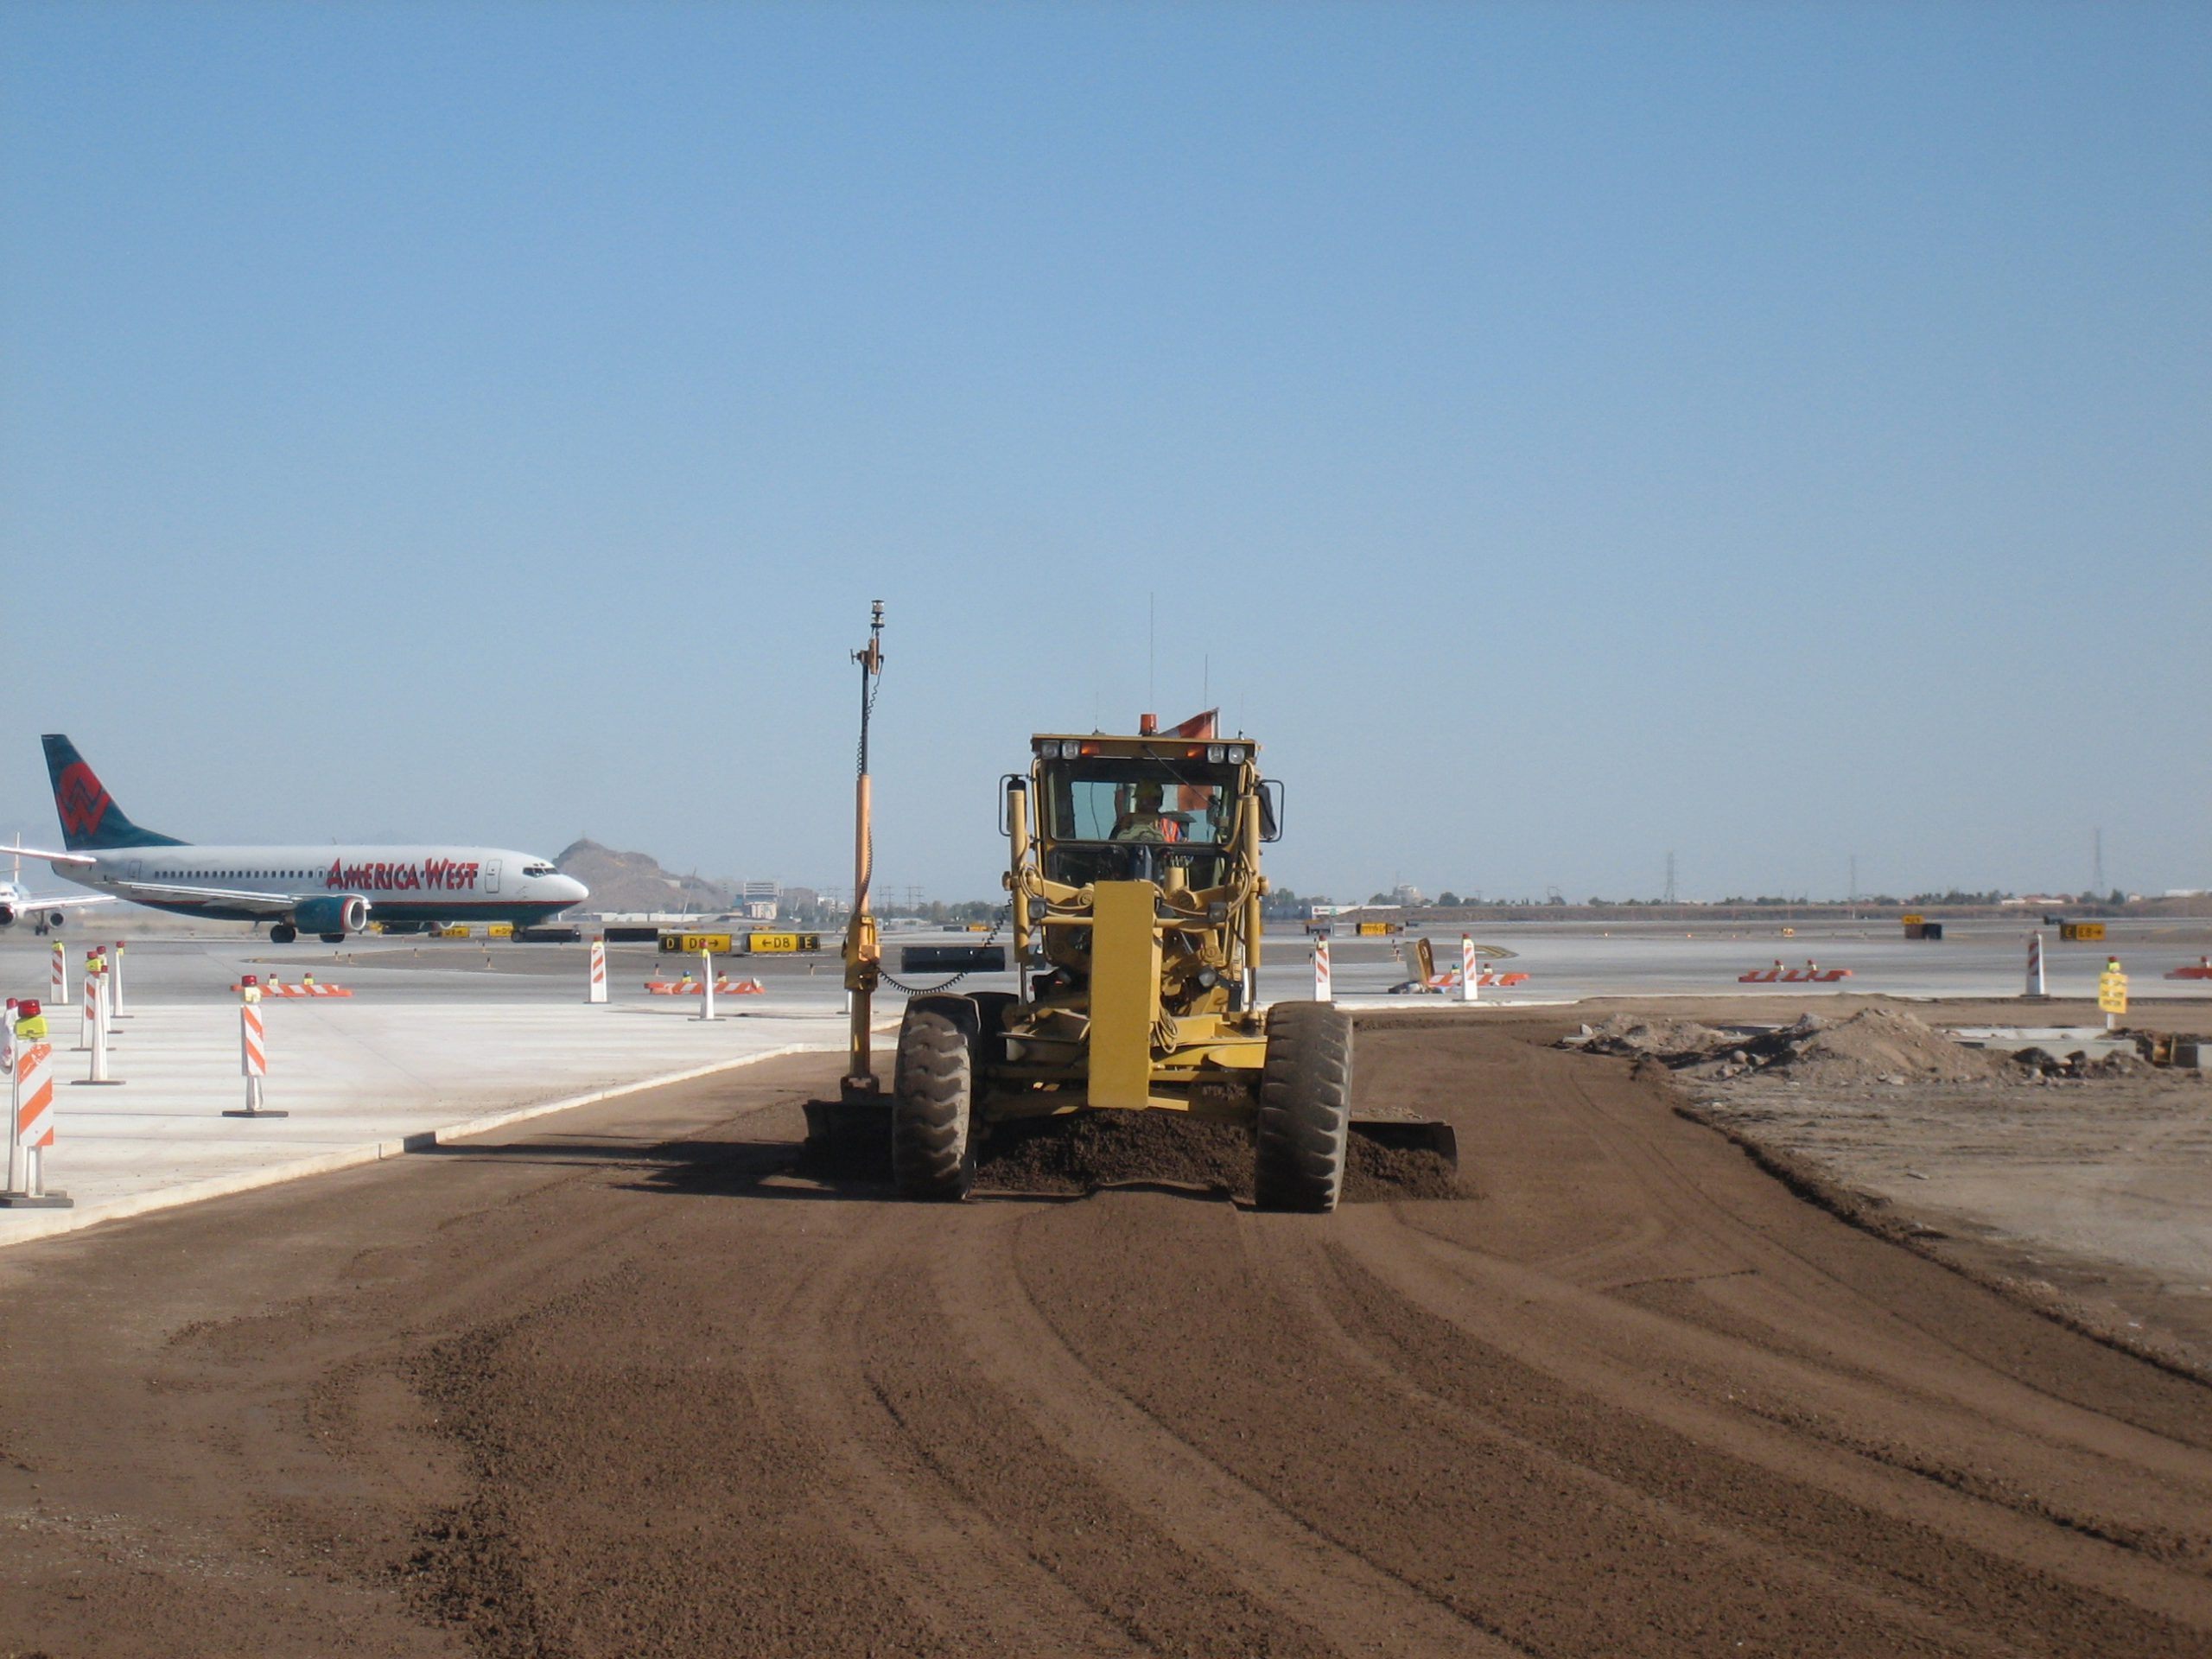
pixel 82 800
pixel 91 821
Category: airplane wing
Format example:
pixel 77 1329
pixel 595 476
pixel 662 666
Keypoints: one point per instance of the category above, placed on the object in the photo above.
pixel 34 903
pixel 47 855
pixel 170 893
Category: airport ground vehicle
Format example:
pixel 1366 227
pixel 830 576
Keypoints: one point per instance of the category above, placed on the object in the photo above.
pixel 1135 884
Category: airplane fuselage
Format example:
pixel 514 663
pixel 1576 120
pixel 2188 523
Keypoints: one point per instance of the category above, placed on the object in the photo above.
pixel 405 885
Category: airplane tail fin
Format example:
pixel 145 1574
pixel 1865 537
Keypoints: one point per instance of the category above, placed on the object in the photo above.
pixel 91 821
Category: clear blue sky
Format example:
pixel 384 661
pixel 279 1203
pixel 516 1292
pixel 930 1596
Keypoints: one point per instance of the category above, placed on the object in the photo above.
pixel 1560 434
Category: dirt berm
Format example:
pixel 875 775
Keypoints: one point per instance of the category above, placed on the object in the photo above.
pixel 622 1383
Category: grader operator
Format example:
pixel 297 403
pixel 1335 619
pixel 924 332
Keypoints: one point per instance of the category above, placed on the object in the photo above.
pixel 1135 888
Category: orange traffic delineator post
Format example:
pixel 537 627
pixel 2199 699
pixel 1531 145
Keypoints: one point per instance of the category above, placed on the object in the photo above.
pixel 1322 991
pixel 595 977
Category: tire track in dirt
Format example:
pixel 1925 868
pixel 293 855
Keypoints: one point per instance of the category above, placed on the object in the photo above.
pixel 1357 1608
pixel 976 1441
pixel 941 1554
pixel 1442 1498
pixel 1925 1554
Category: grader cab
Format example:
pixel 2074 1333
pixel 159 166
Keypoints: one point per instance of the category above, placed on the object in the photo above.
pixel 1135 888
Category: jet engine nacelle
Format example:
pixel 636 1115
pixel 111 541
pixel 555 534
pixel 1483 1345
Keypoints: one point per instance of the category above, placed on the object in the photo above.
pixel 7 915
pixel 338 912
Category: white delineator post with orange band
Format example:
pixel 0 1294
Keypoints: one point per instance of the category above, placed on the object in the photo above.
pixel 596 984
pixel 1322 990
pixel 96 1007
pixel 2035 967
pixel 57 981
pixel 1469 979
pixel 115 981
pixel 88 1011
pixel 706 984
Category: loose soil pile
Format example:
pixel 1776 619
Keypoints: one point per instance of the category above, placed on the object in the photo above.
pixel 1068 1156
pixel 1103 1149
pixel 1874 1045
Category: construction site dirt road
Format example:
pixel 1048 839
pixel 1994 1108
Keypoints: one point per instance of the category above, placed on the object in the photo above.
pixel 625 1381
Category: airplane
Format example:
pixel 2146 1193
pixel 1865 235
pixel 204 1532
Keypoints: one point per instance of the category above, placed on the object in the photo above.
pixel 16 901
pixel 330 892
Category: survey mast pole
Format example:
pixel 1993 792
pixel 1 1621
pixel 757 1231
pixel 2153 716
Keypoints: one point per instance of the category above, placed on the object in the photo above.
pixel 863 952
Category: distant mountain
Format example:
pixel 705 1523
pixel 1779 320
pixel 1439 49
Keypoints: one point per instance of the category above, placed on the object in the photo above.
pixel 635 881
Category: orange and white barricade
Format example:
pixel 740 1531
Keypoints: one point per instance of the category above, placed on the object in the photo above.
pixel 30 1121
pixel 2201 968
pixel 595 979
pixel 1322 993
pixel 254 1054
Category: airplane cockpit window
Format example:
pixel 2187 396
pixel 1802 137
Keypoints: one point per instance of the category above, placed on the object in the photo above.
pixel 539 869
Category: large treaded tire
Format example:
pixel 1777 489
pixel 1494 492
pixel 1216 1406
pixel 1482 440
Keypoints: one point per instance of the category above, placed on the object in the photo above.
pixel 933 1099
pixel 1305 1108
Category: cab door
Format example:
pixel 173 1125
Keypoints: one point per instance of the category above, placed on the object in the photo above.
pixel 492 875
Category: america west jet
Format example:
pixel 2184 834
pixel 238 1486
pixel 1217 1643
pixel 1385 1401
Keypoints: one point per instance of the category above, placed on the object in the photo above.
pixel 329 891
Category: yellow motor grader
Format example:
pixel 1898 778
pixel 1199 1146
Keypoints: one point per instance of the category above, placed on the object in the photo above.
pixel 1136 893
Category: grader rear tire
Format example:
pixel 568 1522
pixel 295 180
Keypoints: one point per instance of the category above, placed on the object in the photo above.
pixel 1305 1117
pixel 933 1101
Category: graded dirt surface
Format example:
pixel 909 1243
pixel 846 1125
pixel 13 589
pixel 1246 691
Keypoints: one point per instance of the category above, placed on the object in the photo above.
pixel 622 1381
pixel 2086 1187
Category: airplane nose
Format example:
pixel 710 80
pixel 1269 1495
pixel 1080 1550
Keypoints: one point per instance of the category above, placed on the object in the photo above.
pixel 570 888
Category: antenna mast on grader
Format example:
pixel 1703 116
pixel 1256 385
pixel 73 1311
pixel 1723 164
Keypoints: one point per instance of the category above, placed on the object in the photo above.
pixel 863 951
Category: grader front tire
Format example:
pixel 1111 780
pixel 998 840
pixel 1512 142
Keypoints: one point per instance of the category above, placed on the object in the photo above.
pixel 1305 1117
pixel 932 1108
